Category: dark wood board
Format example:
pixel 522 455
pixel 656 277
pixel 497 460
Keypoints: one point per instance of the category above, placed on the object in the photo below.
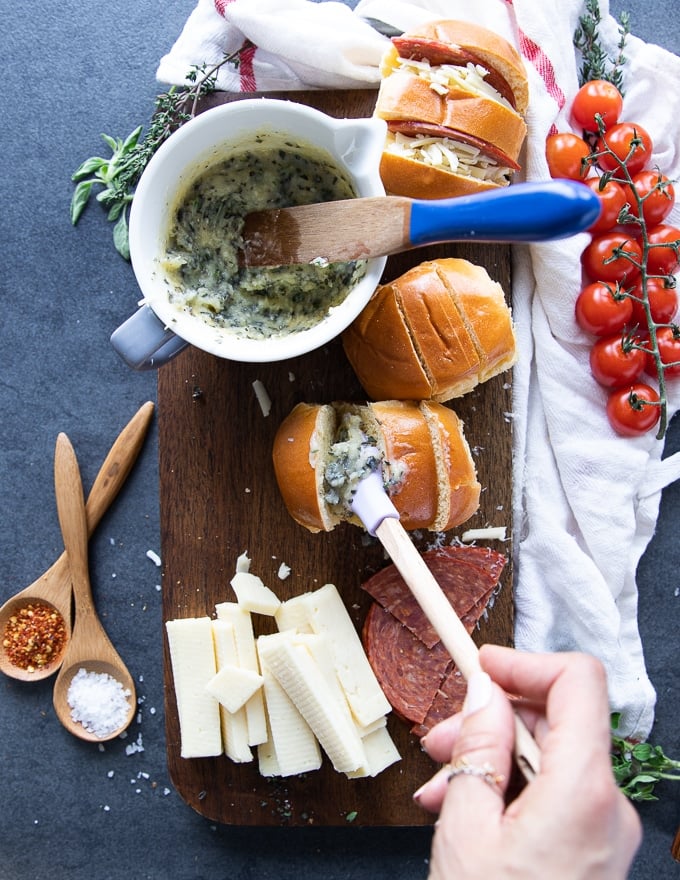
pixel 219 498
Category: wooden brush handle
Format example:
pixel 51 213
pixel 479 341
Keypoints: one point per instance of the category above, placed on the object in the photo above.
pixel 448 626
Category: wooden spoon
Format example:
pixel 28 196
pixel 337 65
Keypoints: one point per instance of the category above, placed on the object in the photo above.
pixel 352 229
pixel 89 647
pixel 53 588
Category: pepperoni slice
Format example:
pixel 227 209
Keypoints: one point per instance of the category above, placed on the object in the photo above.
pixel 447 701
pixel 412 666
pixel 412 127
pixel 407 671
pixel 466 578
pixel 436 52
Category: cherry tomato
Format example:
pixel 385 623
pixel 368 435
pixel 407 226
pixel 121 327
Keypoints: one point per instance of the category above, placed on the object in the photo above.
pixel 663 258
pixel 602 311
pixel 668 340
pixel 615 362
pixel 658 194
pixel 612 198
pixel 597 96
pixel 633 410
pixel 629 143
pixel 663 303
pixel 565 153
pixel 601 263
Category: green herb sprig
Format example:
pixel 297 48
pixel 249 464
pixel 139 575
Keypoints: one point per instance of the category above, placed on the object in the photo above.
pixel 595 62
pixel 638 767
pixel 119 174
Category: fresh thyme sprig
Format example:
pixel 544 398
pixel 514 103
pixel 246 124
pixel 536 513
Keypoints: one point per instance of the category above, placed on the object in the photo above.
pixel 638 767
pixel 595 62
pixel 119 174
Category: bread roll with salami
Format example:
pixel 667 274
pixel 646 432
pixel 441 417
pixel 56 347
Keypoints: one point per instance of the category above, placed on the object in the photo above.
pixel 321 452
pixel 453 95
pixel 435 332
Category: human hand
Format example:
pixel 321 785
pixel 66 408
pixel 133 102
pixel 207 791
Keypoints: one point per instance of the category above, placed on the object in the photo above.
pixel 571 822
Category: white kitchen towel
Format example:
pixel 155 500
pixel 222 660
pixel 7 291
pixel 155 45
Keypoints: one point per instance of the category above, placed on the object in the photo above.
pixel 586 501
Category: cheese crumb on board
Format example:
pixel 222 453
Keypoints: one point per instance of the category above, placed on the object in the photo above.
pixel 490 533
pixel 262 396
pixel 243 562
pixel 192 659
pixel 253 595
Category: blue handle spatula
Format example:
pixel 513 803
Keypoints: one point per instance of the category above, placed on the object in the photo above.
pixel 351 229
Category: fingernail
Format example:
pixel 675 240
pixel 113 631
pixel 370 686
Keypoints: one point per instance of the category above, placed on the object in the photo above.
pixel 478 693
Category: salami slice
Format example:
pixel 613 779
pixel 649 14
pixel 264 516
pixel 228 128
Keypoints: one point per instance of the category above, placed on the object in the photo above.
pixel 407 671
pixel 468 576
pixel 438 53
pixel 447 701
pixel 412 666
pixel 411 128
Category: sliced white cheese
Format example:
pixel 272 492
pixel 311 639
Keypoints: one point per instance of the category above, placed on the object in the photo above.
pixel 232 686
pixel 370 728
pixel 267 762
pixel 328 616
pixel 192 657
pixel 234 724
pixel 293 744
pixel 253 595
pixel 293 614
pixel 246 653
pixel 296 670
pixel 381 753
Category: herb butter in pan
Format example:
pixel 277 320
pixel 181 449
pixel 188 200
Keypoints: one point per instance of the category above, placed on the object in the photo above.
pixel 204 239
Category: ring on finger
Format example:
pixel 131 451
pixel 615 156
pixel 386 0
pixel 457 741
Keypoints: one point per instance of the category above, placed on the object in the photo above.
pixel 486 772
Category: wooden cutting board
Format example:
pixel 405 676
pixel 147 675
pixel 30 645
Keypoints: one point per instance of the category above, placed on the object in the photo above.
pixel 219 498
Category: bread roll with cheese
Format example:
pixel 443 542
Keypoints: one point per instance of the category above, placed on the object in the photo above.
pixel 453 95
pixel 435 332
pixel 455 43
pixel 321 452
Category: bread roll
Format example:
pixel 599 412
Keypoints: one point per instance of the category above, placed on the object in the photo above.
pixel 453 95
pixel 320 453
pixel 435 333
pixel 458 43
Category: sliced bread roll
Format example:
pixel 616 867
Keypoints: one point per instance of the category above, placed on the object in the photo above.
pixel 435 332
pixel 420 449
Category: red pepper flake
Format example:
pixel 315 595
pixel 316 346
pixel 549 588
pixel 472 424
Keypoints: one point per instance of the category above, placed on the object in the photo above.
pixel 35 636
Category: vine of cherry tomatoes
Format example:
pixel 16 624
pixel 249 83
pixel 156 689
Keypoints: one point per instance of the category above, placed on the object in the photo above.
pixel 628 299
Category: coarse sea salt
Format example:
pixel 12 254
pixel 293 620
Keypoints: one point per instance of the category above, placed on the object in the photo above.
pixel 98 701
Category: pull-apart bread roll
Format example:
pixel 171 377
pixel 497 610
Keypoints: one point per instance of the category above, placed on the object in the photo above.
pixel 435 332
pixel 321 452
pixel 453 95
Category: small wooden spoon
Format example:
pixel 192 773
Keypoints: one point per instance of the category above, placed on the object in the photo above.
pixel 89 647
pixel 54 586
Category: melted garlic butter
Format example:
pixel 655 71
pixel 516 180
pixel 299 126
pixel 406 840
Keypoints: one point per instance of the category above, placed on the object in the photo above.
pixel 201 260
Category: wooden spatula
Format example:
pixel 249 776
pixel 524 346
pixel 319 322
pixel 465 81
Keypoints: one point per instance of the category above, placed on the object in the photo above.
pixel 351 229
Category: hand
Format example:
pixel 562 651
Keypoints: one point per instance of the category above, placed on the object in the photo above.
pixel 571 822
